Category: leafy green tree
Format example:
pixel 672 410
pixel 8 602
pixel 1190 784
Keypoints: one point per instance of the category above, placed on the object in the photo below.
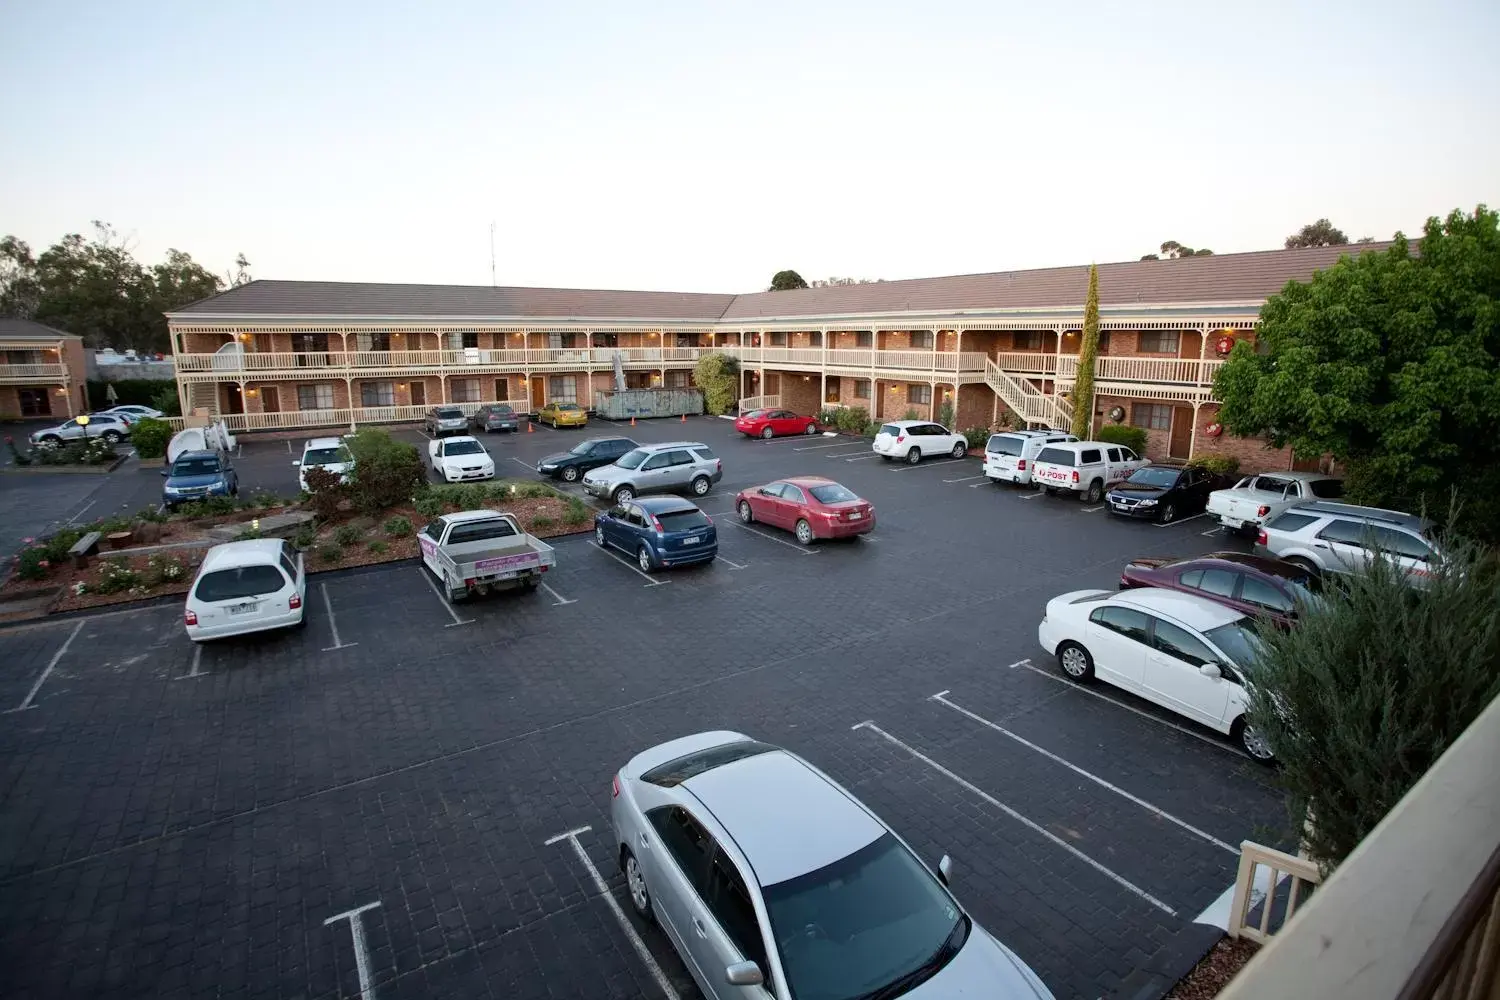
pixel 150 436
pixel 1088 353
pixel 1388 361
pixel 1371 687
pixel 387 472
pixel 18 285
pixel 718 376
pixel 782 281
pixel 1172 250
pixel 1317 234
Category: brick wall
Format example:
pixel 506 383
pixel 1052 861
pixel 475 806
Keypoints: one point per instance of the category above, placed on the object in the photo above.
pixel 844 340
pixel 1253 453
pixel 975 406
pixel 799 396
pixel 893 405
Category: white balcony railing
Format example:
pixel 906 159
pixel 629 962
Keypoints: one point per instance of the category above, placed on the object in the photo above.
pixel 465 359
pixel 1173 371
pixel 295 419
pixel 1027 362
pixel 14 373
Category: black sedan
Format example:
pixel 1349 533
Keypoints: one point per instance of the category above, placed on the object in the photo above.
pixel 495 417
pixel 590 453
pixel 1161 493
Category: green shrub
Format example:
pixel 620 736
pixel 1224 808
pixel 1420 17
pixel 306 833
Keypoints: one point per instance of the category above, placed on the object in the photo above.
pixel 329 553
pixel 852 419
pixel 347 535
pixel 305 538
pixel 386 473
pixel 94 451
pixel 209 507
pixel 378 546
pixel 1133 438
pixel 114 576
pixel 535 491
pixel 543 521
pixel 164 569
pixel 398 526
pixel 154 515
pixel 150 437
pixel 829 416
pixel 113 524
pixel 248 534
pixel 718 376
pixel 945 413
pixel 32 563
pixel 977 436
pixel 55 547
pixel 1219 465
pixel 326 492
pixel 265 500
pixel 871 429
pixel 911 414
pixel 578 511
pixel 428 506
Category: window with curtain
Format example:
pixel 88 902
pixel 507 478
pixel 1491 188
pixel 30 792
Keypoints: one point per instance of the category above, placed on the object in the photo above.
pixel 1152 416
pixel 315 397
pixel 563 388
pixel 921 340
pixel 460 339
pixel 1159 341
pixel 372 341
pixel 463 390
pixel 778 338
pixel 864 338
pixel 1029 340
pixel 861 389
pixel 920 395
pixel 377 394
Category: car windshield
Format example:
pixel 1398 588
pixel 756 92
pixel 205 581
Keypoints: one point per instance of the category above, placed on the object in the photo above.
pixel 567 406
pixel 1165 478
pixel 464 448
pixel 327 456
pixel 581 448
pixel 833 493
pixel 244 581
pixel 449 413
pixel 204 466
pixel 1237 641
pixel 631 459
pixel 1003 444
pixel 683 520
pixel 860 923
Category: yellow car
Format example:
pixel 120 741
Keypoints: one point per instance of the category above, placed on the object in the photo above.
pixel 563 415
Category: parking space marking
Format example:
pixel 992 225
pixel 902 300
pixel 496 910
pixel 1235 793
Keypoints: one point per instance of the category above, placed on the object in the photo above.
pixel 196 669
pixel 1020 663
pixel 930 465
pixel 1029 824
pixel 609 898
pixel 840 454
pixel 26 701
pixel 821 447
pixel 332 622
pixel 1090 510
pixel 447 605
pixel 977 485
pixel 525 465
pixel 1131 708
pixel 942 698
pixel 361 952
pixel 75 517
pixel 729 562
pixel 650 582
pixel 1031 496
pixel 561 600
pixel 865 458
pixel 966 479
pixel 779 541
pixel 1182 520
pixel 288 446
pixel 1217 530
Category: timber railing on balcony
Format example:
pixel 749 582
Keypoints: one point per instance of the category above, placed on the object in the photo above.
pixel 294 419
pixel 30 373
pixel 1174 371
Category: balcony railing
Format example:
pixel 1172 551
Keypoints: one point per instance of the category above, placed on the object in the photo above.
pixel 294 419
pixel 20 373
pixel 1175 371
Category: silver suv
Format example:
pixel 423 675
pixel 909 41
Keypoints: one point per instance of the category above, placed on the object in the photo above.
pixel 1329 537
pixel 657 468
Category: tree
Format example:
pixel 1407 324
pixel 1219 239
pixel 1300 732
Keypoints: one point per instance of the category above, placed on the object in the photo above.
pixel 1389 361
pixel 1317 234
pixel 782 281
pixel 1088 352
pixel 718 375
pixel 1172 250
pixel 18 287
pixel 840 282
pixel 1374 683
pixel 241 273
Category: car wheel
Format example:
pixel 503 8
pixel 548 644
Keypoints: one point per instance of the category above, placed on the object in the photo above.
pixel 640 896
pixel 701 486
pixel 914 456
pixel 599 535
pixel 1305 564
pixel 746 514
pixel 1254 743
pixel 811 429
pixel 1168 514
pixel 805 533
pixel 767 434
pixel 110 437
pixel 960 450
pixel 570 474
pixel 1096 491
pixel 50 441
pixel 1075 662
pixel 624 494
pixel 643 559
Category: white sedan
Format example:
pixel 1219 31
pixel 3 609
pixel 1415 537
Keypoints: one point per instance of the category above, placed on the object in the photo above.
pixel 460 459
pixel 248 586
pixel 1182 652
pixel 135 411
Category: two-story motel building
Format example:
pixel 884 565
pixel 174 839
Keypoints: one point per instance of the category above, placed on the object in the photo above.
pixel 278 355
pixel 42 372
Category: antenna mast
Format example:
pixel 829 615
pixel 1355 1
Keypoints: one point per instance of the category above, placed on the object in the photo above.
pixel 492 255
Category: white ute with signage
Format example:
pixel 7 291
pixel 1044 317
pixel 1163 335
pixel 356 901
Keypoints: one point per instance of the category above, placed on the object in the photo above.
pixel 475 551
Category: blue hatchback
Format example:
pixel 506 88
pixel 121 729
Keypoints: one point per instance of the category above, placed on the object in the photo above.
pixel 658 532
pixel 198 475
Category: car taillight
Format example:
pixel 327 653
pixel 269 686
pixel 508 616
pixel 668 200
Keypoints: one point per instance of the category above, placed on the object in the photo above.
pixel 1262 510
pixel 294 602
pixel 718 465
pixel 1261 538
pixel 1075 475
pixel 191 618
pixel 1020 465
pixel 657 525
pixel 615 786
pixel 900 438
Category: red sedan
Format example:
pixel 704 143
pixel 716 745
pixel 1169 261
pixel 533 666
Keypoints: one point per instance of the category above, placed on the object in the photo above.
pixel 774 423
pixel 810 507
pixel 1253 585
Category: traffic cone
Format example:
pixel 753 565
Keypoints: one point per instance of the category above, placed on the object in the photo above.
pixel 530 427
pixel 632 421
pixel 684 418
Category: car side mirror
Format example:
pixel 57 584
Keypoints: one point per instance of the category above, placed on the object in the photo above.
pixel 164 473
pixel 743 974
pixel 945 869
pixel 1211 670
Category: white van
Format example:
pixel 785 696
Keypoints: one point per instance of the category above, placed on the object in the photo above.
pixel 1009 455
pixel 1084 468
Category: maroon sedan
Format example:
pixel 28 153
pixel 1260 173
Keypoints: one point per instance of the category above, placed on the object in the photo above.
pixel 1254 585
pixel 810 507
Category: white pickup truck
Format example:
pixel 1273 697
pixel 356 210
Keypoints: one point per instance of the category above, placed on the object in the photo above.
pixel 460 459
pixel 1254 500
pixel 475 551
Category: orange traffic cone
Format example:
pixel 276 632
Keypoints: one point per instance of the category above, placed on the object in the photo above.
pixel 530 428
pixel 632 421
pixel 684 418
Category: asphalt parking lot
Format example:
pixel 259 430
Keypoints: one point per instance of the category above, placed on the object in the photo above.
pixel 413 798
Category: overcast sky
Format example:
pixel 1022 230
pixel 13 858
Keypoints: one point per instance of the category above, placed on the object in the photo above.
pixel 703 146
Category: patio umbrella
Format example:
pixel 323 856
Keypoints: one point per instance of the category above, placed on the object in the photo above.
pixel 109 394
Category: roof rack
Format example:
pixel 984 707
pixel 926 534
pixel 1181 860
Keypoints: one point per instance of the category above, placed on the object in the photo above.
pixel 1355 510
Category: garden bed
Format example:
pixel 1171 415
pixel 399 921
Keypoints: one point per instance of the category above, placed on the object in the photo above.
pixel 1215 970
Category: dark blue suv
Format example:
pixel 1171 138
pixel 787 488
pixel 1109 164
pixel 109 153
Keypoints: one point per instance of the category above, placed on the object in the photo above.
pixel 198 475
pixel 658 532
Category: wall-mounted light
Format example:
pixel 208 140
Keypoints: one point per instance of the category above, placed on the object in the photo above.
pixel 62 392
pixel 401 386
pixel 244 336
pixel 252 392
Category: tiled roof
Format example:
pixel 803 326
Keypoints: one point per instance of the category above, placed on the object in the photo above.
pixel 25 329
pixel 1243 277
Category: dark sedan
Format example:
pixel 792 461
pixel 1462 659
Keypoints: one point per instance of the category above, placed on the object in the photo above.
pixel 1250 584
pixel 495 417
pixel 590 453
pixel 1161 493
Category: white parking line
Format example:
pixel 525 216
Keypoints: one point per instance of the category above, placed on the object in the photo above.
pixel 650 581
pixel 332 622
pixel 930 465
pixel 978 485
pixel 194 671
pixel 26 701
pixel 1181 520
pixel 1131 708
pixel 288 446
pixel 840 454
pixel 361 952
pixel 966 479
pixel 447 605
pixel 723 560
pixel 424 434
pixel 625 925
pixel 942 698
pixel 1213 531
pixel 75 517
pixel 1090 510
pixel 560 599
pixel 779 541
pixel 1031 496
pixel 525 465
pixel 862 458
pixel 821 447
pixel 1029 824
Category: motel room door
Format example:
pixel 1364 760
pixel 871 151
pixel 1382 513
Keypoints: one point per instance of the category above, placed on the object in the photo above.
pixel 1182 433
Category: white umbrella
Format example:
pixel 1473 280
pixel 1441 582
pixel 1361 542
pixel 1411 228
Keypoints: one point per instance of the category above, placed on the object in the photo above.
pixel 109 394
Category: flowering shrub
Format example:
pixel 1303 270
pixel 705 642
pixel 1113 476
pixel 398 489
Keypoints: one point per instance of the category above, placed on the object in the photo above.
pixel 32 562
pixel 162 569
pixel 80 588
pixel 115 575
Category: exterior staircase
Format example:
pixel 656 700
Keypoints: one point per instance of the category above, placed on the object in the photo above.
pixel 1029 403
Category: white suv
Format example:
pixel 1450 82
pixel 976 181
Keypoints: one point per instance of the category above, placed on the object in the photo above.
pixel 1086 468
pixel 914 440
pixel 329 454
pixel 1008 456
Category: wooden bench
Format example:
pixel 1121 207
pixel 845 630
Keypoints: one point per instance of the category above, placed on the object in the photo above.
pixel 83 547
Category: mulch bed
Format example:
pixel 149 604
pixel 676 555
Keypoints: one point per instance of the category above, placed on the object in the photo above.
pixel 1215 970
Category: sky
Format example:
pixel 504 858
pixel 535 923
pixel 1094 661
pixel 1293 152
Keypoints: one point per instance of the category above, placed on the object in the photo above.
pixel 700 146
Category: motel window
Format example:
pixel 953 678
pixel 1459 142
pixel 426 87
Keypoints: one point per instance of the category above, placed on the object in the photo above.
pixel 25 358
pixel 1159 341
pixel 372 341
pixel 921 340
pixel 778 339
pixel 678 379
pixel 315 397
pixel 862 389
pixel 463 390
pixel 1028 340
pixel 919 395
pixel 560 341
pixel 1152 416
pixel 460 339
pixel 563 388
pixel 377 394
pixel 864 338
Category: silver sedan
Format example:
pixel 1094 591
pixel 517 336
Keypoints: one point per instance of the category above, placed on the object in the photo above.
pixel 770 879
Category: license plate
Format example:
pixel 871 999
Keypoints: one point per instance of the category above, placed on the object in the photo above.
pixel 240 609
pixel 692 540
pixel 855 516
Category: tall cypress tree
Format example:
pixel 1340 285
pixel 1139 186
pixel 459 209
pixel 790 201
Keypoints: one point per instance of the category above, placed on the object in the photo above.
pixel 1088 351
